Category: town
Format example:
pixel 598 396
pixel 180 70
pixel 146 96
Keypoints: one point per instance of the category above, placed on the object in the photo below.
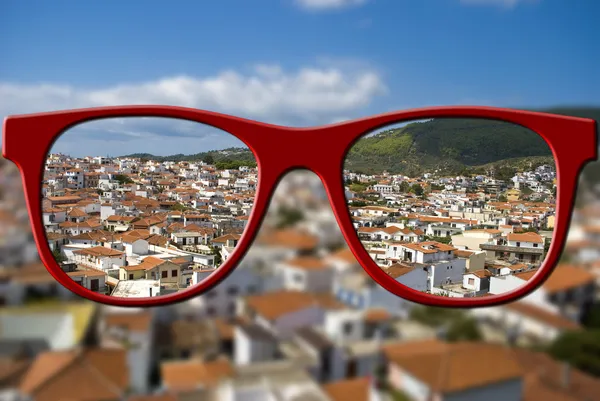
pixel 298 319
pixel 129 227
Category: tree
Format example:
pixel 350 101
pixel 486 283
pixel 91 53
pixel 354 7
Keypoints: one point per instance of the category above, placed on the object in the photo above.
pixel 579 348
pixel 218 258
pixel 404 187
pixel 178 207
pixel 209 159
pixel 591 318
pixel 443 240
pixel 58 256
pixel 526 191
pixel 417 189
pixel 123 179
pixel 358 188
pixel 464 329
pixel 289 216
pixel 435 316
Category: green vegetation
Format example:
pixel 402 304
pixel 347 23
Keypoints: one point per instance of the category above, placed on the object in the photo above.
pixel 579 348
pixel 591 320
pixel 217 253
pixel 288 217
pixel 453 146
pixel 123 179
pixel 58 256
pixel 178 207
pixel 443 240
pixel 459 325
pixel 230 158
pixel 449 144
pixel 417 189
pixel 358 188
pixel 398 395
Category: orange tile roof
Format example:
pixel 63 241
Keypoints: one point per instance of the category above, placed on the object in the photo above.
pixel 140 322
pixel 350 389
pixel 289 238
pixel 526 237
pixel 307 263
pixel 189 375
pixel 377 315
pixel 273 305
pixel 344 254
pixel 443 366
pixel 563 278
pixel 98 374
pixel 541 315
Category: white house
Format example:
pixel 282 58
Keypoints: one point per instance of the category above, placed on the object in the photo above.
pixel 99 257
pixel 306 273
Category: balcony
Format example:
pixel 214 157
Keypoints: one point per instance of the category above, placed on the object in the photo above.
pixel 511 249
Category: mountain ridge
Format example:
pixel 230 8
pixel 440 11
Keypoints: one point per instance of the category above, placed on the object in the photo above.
pixel 451 146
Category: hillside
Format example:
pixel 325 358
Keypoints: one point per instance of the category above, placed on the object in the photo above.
pixel 225 158
pixel 459 146
pixel 452 146
pixel 449 145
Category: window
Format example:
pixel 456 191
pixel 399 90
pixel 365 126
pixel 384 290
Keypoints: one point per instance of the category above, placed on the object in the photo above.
pixel 348 327
pixel 518 244
pixel 232 308
pixel 174 273
pixel 535 245
pixel 211 294
pixel 130 276
pixel 210 311
pixel 232 291
pixel 164 274
pixel 471 281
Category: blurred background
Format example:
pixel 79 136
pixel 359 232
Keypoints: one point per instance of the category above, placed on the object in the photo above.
pixel 298 63
pixel 51 341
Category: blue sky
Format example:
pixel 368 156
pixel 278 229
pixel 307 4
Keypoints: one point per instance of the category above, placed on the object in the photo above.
pixel 295 62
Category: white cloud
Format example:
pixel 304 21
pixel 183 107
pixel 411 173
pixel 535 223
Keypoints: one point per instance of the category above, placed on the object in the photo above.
pixel 309 95
pixel 329 4
pixel 497 3
pixel 304 97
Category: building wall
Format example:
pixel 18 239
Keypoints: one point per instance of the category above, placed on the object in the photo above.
pixel 334 322
pixel 476 262
pixel 452 270
pixel 403 381
pixel 287 324
pixel 222 301
pixel 416 279
pixel 470 242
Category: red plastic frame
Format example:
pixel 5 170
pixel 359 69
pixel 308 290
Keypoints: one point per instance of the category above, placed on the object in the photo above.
pixel 27 140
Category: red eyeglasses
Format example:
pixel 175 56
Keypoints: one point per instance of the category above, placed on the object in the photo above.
pixel 446 206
